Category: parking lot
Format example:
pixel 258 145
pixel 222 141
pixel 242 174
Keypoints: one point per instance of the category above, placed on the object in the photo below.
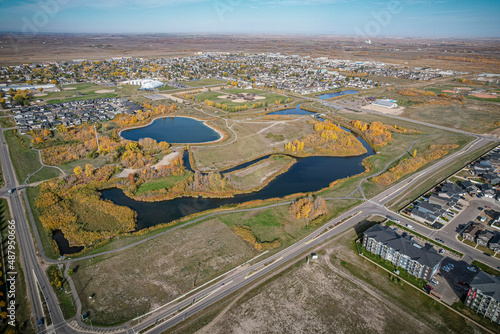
pixel 448 280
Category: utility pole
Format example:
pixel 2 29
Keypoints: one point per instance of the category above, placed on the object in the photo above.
pixel 97 139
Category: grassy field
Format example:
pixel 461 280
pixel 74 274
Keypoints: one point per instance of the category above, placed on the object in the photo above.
pixel 473 116
pixel 258 174
pixel 7 122
pixel 278 223
pixel 24 159
pixel 163 182
pixel 203 82
pixel 22 302
pixel 97 162
pixel 270 98
pixel 166 87
pixel 487 269
pixel 168 267
pixel 88 91
pixel 46 173
pixel 251 143
pixel 338 293
pixel 176 262
pixel 45 236
pixel 496 100
pixel 66 301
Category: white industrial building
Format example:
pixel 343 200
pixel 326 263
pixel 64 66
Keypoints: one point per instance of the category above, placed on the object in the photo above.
pixel 146 84
pixel 387 103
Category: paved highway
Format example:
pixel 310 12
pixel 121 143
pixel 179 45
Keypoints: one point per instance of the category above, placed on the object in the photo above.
pixel 230 283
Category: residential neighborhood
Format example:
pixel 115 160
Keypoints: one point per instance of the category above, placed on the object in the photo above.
pixel 71 113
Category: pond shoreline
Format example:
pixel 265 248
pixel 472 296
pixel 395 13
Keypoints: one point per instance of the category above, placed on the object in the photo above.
pixel 222 135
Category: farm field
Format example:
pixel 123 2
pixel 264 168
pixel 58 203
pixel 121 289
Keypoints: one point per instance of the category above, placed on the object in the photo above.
pixel 203 82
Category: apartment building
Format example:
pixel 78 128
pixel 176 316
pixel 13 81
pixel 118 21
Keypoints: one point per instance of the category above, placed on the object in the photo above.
pixel 419 261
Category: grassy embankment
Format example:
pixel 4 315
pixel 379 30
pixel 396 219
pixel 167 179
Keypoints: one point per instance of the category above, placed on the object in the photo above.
pixel 7 122
pixel 164 182
pixel 25 160
pixel 22 303
pixel 66 300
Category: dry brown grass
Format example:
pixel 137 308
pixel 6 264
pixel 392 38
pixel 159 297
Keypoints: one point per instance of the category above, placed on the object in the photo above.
pixel 144 277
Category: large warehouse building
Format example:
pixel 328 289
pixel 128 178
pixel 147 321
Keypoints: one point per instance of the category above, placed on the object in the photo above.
pixel 146 84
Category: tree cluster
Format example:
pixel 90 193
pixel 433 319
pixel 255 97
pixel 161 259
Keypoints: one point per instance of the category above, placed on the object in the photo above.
pixel 376 133
pixel 330 139
pixel 308 207
pixel 73 206
pixel 247 235
pixel 412 164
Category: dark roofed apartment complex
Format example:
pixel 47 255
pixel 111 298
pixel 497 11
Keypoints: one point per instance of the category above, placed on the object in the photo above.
pixel 484 296
pixel 419 261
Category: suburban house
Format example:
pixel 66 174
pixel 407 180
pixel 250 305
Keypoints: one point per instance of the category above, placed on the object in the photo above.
pixel 484 237
pixel 469 187
pixel 495 243
pixel 471 231
pixel 419 261
pixel 451 190
pixel 488 190
pixel 484 296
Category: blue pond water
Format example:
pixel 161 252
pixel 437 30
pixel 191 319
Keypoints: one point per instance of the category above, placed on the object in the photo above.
pixel 294 111
pixel 175 130
pixel 332 95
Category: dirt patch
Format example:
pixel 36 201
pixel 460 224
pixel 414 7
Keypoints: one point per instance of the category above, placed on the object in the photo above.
pixel 449 91
pixel 223 96
pixel 165 161
pixel 104 91
pixel 69 88
pixel 239 100
pixel 484 96
pixel 259 97
pixel 40 94
pixel 173 98
pixel 389 111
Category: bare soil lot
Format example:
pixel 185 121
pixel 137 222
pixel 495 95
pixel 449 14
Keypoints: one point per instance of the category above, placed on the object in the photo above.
pixel 142 278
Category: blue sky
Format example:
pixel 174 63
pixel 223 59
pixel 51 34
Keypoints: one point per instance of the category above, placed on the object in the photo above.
pixel 419 18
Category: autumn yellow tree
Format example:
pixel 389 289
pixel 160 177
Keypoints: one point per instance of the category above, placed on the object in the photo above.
pixel 77 170
pixel 89 170
pixel 414 153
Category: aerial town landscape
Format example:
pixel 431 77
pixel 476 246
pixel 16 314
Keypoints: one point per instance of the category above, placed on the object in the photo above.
pixel 249 167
